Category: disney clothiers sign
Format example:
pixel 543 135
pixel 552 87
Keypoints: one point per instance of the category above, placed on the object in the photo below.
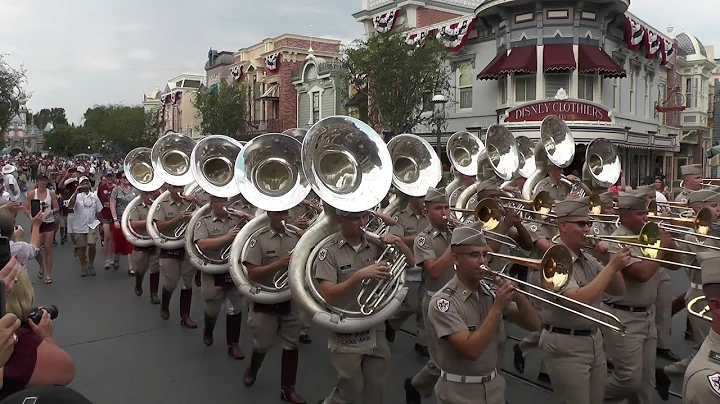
pixel 566 109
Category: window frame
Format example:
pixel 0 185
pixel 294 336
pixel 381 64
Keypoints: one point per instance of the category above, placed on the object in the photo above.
pixel 525 78
pixel 566 74
pixel 315 106
pixel 583 80
pixel 459 90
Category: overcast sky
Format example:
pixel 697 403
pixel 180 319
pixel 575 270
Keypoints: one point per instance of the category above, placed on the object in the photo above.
pixel 81 52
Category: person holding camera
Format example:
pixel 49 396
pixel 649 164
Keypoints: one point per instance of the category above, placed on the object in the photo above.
pixel 84 227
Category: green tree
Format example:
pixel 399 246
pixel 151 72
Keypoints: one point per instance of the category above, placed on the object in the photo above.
pixel 223 109
pixel 399 79
pixel 68 140
pixel 56 116
pixel 121 125
pixel 11 92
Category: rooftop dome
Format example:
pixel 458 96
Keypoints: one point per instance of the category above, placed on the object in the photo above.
pixel 689 45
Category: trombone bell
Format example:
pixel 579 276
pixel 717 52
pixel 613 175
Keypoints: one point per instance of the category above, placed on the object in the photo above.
pixel 699 308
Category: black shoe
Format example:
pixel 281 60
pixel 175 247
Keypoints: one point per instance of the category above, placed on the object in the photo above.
pixel 544 378
pixel 389 332
pixel 422 350
pixel 305 339
pixel 667 354
pixel 412 396
pixel 662 384
pixel 518 359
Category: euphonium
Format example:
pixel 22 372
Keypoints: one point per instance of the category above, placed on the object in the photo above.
pixel 141 175
pixel 348 165
pixel 268 176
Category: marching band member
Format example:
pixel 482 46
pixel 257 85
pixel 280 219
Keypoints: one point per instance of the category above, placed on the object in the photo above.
pixel 633 355
pixel 145 258
pixel 465 181
pixel 558 189
pixel 692 181
pixel 361 359
pixel 704 198
pixel 604 228
pixel 174 264
pixel 701 384
pixel 269 253
pixel 410 221
pixel 213 233
pixel 575 359
pixel 465 320
pixel 511 225
pixel 432 252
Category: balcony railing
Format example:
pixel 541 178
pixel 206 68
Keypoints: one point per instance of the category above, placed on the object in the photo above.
pixel 329 67
pixel 259 127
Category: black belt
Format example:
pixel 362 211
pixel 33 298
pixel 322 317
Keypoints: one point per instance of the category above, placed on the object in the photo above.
pixel 632 309
pixel 567 331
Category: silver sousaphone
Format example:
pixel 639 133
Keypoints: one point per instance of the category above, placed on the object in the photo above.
pixel 556 145
pixel 212 164
pixel 463 150
pixel 141 175
pixel 268 174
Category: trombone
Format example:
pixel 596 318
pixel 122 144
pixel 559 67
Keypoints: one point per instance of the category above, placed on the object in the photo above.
pixel 556 267
pixel 699 308
pixel 701 223
pixel 649 243
pixel 488 210
pixel 488 213
pixel 370 299
pixel 280 279
pixel 706 182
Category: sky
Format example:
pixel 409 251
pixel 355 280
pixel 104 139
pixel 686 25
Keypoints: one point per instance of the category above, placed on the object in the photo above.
pixel 79 53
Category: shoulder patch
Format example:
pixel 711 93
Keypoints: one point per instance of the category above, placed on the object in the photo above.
pixel 322 254
pixel 252 243
pixel 396 218
pixel 533 227
pixel 596 230
pixel 715 382
pixel 449 291
pixel 683 200
pixel 442 305
pixel 421 241
pixel 198 225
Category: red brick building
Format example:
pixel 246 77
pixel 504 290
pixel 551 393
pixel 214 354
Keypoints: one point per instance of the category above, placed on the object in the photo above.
pixel 269 67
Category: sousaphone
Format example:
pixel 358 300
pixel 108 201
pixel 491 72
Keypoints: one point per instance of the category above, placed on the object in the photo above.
pixel 556 145
pixel 141 175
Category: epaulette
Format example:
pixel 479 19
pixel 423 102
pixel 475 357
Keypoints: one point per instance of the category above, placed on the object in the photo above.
pixel 449 291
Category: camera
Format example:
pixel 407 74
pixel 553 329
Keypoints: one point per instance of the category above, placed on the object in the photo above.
pixel 36 314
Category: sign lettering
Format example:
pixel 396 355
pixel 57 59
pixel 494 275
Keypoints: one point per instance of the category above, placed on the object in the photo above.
pixel 567 110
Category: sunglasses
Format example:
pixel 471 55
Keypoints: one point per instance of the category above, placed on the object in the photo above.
pixel 583 223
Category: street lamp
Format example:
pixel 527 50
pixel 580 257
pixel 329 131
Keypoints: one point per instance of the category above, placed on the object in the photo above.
pixel 439 101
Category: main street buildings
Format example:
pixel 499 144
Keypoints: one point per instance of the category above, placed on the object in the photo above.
pixel 604 70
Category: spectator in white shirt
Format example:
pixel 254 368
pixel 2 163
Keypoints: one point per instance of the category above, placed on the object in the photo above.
pixel 84 227
pixel 10 182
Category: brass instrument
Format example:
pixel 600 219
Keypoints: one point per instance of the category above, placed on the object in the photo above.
pixel 701 226
pixel 212 164
pixel 705 182
pixel 488 213
pixel 556 144
pixel 174 239
pixel 541 205
pixel 556 267
pixel 141 175
pixel 463 150
pixel 416 167
pixel 699 308
pixel 371 297
pixel 602 162
pixel 280 279
pixel 348 166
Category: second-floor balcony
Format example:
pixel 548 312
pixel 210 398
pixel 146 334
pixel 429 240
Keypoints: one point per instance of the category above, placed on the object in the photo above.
pixel 265 126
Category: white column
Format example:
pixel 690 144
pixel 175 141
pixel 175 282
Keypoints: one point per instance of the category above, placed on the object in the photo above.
pixel 540 75
pixel 574 81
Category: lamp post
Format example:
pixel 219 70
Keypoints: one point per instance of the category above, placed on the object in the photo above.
pixel 439 101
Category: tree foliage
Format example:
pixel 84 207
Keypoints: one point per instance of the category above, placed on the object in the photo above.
pixel 400 79
pixel 68 140
pixel 11 82
pixel 121 125
pixel 56 116
pixel 223 109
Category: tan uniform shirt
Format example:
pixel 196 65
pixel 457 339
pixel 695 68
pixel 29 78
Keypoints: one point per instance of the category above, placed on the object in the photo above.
pixel 557 192
pixel 457 308
pixel 537 232
pixel 167 210
pixel 267 247
pixel 410 224
pixel 452 199
pixel 702 377
pixel 431 244
pixel 683 196
pixel 585 269
pixel 638 294
pixel 695 275
pixel 211 226
pixel 140 212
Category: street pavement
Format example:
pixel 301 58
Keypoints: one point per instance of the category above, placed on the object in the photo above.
pixel 125 353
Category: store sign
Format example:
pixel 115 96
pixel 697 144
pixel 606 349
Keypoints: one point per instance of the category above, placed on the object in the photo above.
pixel 567 110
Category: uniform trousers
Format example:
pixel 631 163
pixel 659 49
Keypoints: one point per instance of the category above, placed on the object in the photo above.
pixel 361 377
pixel 172 269
pixel 492 392
pixel 663 310
pixel 412 305
pixel 424 381
pixel 266 327
pixel 215 296
pixel 633 357
pixel 142 261
pixel 577 367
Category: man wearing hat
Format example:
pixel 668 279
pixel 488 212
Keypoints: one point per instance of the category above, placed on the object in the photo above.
pixel 145 258
pixel 361 359
pixel 633 355
pixel 410 222
pixel 701 384
pixel 465 181
pixel 466 321
pixel 697 200
pixel 268 255
pixel 558 189
pixel 432 253
pixel 575 358
pixel 84 228
pixel 692 181
pixel 10 182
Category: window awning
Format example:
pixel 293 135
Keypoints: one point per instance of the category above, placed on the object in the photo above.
pixel 492 70
pixel 558 57
pixel 592 59
pixel 272 92
pixel 520 60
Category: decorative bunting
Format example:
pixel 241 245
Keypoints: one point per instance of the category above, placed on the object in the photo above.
pixel 360 81
pixel 237 72
pixel 383 23
pixel 652 44
pixel 416 38
pixel 634 33
pixel 667 49
pixel 272 62
pixel 453 36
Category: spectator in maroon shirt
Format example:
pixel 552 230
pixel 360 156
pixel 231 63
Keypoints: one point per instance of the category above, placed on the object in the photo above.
pixel 107 183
